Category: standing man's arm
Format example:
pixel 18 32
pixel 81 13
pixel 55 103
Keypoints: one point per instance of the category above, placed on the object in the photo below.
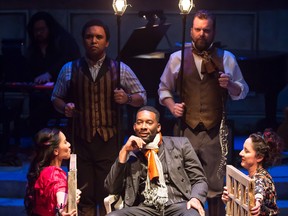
pixel 225 82
pixel 133 93
pixel 122 97
pixel 60 91
pixel 65 108
pixel 233 79
pixel 177 109
pixel 167 86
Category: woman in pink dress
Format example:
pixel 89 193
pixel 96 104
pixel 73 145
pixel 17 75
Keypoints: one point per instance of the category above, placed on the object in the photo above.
pixel 46 192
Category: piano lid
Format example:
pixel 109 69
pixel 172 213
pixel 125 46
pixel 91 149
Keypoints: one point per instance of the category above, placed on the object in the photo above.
pixel 144 40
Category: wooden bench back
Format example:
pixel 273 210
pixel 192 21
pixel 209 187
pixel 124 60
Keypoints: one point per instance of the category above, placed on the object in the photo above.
pixel 241 191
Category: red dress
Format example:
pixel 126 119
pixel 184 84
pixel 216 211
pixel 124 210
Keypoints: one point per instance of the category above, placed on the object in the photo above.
pixel 52 179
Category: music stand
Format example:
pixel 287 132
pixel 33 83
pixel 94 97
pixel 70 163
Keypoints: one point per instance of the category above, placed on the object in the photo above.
pixel 144 40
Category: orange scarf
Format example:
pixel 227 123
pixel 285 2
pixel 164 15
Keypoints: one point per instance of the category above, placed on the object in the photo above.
pixel 152 167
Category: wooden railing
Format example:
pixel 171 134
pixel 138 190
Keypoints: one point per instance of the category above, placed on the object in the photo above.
pixel 241 191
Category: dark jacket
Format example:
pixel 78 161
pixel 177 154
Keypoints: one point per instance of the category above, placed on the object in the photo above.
pixel 184 169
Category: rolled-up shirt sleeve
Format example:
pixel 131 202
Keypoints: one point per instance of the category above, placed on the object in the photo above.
pixel 131 83
pixel 232 68
pixel 167 86
pixel 63 81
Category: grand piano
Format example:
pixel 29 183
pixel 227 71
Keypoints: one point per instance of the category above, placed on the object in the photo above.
pixel 264 71
pixel 141 55
pixel 139 52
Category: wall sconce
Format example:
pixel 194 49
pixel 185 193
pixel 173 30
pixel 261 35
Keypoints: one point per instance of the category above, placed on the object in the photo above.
pixel 185 6
pixel 119 6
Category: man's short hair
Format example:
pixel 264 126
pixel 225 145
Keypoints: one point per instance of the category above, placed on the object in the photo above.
pixel 205 14
pixel 96 22
pixel 150 109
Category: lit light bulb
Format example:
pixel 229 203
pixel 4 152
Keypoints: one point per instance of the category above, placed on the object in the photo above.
pixel 119 6
pixel 185 6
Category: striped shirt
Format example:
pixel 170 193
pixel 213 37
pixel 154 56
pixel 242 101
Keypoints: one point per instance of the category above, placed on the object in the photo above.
pixel 128 81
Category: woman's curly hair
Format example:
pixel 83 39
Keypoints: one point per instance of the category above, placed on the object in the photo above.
pixel 269 145
pixel 46 141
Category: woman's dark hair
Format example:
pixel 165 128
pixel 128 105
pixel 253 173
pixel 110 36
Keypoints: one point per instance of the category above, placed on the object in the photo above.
pixel 46 141
pixel 54 27
pixel 96 22
pixel 269 145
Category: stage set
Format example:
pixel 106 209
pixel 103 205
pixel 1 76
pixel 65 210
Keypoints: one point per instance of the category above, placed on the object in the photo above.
pixel 148 62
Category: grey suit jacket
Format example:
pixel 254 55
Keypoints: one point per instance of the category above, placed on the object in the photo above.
pixel 184 168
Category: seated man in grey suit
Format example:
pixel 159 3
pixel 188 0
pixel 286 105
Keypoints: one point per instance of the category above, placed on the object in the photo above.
pixel 157 175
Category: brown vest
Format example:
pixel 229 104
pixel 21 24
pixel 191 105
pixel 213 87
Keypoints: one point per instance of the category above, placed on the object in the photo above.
pixel 94 103
pixel 203 98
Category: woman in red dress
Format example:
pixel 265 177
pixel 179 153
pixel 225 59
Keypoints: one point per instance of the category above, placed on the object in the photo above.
pixel 46 192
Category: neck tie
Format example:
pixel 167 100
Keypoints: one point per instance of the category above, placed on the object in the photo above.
pixel 208 65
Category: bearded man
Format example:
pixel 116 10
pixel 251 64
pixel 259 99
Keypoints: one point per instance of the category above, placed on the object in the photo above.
pixel 209 75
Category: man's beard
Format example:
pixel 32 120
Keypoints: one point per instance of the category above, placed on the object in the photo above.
pixel 149 138
pixel 202 44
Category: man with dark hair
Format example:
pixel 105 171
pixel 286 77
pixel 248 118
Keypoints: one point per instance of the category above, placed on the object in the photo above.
pixel 50 47
pixel 209 75
pixel 87 90
pixel 157 175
